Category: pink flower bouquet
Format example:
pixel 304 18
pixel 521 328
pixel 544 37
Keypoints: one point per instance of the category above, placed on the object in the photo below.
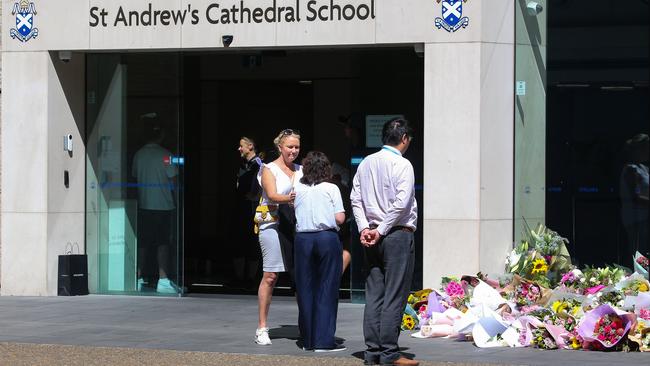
pixel 604 327
pixel 455 289
pixel 644 314
pixel 458 296
pixel 527 293
pixel 641 264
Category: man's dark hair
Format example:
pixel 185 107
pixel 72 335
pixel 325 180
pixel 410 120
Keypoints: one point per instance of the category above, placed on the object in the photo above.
pixel 316 168
pixel 394 130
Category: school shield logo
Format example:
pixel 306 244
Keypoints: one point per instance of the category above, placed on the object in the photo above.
pixel 452 15
pixel 24 13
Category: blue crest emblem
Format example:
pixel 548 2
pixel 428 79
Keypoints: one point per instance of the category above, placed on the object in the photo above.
pixel 24 13
pixel 452 15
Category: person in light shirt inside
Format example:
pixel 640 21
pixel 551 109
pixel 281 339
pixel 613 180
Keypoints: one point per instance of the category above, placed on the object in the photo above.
pixel 156 209
pixel 384 207
pixel 318 253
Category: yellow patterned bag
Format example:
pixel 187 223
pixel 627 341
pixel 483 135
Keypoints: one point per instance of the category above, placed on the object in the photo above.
pixel 264 214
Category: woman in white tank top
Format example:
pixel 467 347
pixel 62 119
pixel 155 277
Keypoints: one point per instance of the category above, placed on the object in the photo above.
pixel 277 179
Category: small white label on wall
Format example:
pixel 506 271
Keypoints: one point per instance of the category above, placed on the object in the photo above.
pixel 521 87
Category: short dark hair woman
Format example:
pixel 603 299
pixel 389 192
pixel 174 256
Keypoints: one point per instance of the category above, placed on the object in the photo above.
pixel 318 253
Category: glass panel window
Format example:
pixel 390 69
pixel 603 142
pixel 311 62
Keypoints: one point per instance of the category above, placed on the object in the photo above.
pixel 134 171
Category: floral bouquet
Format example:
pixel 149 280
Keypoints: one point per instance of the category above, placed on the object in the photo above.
pixel 434 304
pixel 416 309
pixel 457 293
pixel 410 318
pixel 519 259
pixel 573 280
pixel 573 340
pixel 642 338
pixel 540 333
pixel 644 314
pixel 641 264
pixel 541 257
pixel 419 296
pixel 633 285
pixel 409 322
pixel 552 248
pixel 527 264
pixel 439 324
pixel 641 335
pixel 528 293
pixel 600 278
pixel 604 327
pixel 543 339
pixel 613 298
pixel 496 284
pixel 566 312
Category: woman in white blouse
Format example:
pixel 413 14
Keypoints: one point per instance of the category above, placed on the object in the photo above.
pixel 318 253
pixel 277 179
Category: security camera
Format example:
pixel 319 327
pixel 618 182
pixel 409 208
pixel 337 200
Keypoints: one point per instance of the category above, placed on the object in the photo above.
pixel 227 40
pixel 533 8
pixel 65 56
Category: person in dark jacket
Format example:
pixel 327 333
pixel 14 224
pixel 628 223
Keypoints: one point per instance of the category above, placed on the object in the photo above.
pixel 246 253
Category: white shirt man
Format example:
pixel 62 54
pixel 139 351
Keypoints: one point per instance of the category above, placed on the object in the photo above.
pixel 384 207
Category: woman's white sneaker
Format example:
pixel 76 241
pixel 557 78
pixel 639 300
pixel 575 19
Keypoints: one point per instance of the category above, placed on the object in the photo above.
pixel 262 337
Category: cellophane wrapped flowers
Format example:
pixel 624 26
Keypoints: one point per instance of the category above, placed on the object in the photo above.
pixel 542 339
pixel 541 301
pixel 527 293
pixel 604 327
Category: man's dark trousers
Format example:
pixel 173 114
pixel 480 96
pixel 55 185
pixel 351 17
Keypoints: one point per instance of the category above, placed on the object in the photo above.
pixel 390 271
pixel 318 261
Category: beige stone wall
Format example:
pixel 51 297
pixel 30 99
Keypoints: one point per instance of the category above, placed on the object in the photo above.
pixel 0 122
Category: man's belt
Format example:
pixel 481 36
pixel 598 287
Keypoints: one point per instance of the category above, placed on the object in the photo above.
pixel 402 228
pixel 396 228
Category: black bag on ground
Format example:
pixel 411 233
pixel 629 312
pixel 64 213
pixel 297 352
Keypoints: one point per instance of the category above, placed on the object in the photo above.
pixel 73 275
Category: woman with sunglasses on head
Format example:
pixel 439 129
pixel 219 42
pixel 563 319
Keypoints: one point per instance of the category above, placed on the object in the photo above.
pixel 277 179
pixel 318 250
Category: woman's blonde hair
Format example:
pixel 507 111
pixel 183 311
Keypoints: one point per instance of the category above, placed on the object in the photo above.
pixel 284 134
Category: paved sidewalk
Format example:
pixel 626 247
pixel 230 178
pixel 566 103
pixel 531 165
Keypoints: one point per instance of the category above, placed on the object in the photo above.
pixel 52 355
pixel 215 330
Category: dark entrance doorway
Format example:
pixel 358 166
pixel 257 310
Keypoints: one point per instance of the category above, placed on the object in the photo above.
pixel 331 96
pixel 220 252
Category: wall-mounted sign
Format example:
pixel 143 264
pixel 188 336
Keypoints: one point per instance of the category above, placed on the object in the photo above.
pixel 243 12
pixel 520 87
pixel 374 125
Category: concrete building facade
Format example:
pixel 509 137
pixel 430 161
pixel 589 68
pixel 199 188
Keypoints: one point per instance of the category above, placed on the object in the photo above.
pixel 468 115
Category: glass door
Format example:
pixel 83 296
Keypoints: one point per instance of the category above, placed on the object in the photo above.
pixel 133 174
pixel 530 115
